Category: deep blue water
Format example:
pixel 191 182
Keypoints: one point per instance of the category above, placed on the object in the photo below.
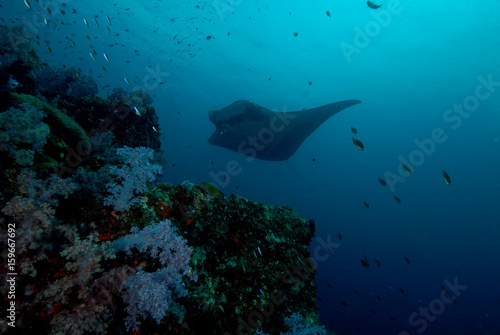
pixel 408 62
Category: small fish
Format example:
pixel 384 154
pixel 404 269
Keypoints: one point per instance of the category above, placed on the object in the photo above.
pixel 258 248
pixel 446 177
pixel 378 298
pixel 86 22
pixel 27 3
pixel 137 111
pixel 46 22
pixel 356 292
pixel 407 260
pixel 444 288
pixel 109 30
pixel 49 11
pixel 401 290
pixel 328 13
pixel 406 168
pixel 74 11
pixel 295 34
pixel 126 80
pixel 108 19
pixel 382 182
pixel 364 262
pixel 208 37
pixel 358 144
pixel 92 56
pixel 366 204
pixel 373 5
pixel 377 262
pixel 397 199
pixel 343 303
pixel 155 129
pixel 328 284
pixel 50 50
pixel 309 83
pixel 300 259
pixel 97 23
pixel 339 235
pixel 105 57
pixel 78 75
pixel 354 130
pixel 104 69
pixel 191 273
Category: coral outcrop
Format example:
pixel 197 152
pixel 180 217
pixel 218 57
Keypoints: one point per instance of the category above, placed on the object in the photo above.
pixel 86 262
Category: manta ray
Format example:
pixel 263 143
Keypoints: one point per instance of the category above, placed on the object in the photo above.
pixel 258 132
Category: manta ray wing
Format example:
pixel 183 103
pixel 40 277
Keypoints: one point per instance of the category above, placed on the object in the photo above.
pixel 258 132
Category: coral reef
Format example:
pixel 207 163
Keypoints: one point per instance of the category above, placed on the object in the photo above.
pixel 132 177
pixel 18 59
pixel 51 83
pixel 151 293
pixel 101 249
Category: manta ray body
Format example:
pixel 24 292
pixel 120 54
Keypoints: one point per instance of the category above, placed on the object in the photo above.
pixel 258 132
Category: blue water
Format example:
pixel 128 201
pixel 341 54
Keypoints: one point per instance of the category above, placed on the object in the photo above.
pixel 408 63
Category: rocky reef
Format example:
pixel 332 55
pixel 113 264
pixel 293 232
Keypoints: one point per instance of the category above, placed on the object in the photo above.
pixel 96 246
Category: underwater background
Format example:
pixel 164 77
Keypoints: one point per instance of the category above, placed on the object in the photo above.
pixel 434 264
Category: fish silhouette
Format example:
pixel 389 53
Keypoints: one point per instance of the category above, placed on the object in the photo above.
pixel 258 132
